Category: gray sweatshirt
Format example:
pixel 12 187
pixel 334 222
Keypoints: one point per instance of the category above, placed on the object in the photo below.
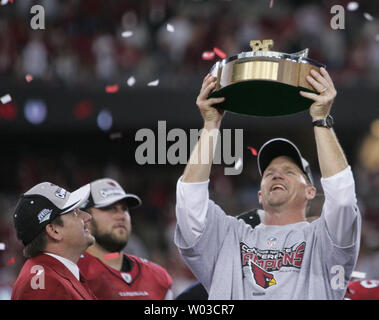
pixel 296 261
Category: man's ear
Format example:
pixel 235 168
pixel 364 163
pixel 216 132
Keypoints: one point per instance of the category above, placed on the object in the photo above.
pixel 54 232
pixel 260 197
pixel 310 192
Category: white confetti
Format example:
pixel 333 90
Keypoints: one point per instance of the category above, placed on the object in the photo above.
pixel 238 164
pixel 131 81
pixel 127 34
pixel 153 83
pixel 5 99
pixel 2 246
pixel 377 37
pixel 4 2
pixel 170 28
pixel 368 16
pixel 352 6
pixel 358 274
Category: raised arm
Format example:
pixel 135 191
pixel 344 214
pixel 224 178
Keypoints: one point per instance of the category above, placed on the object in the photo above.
pixel 199 165
pixel 340 209
pixel 330 154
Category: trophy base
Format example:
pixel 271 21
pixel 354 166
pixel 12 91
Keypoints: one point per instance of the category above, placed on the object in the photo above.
pixel 262 98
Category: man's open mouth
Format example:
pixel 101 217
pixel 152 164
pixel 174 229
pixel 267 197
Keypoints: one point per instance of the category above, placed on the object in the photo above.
pixel 278 187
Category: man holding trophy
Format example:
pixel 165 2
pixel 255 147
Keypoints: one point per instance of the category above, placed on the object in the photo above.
pixel 284 257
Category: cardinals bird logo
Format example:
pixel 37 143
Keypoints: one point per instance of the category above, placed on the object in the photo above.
pixel 262 277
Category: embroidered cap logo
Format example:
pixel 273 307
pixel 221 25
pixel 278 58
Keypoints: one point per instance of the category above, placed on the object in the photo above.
pixel 44 215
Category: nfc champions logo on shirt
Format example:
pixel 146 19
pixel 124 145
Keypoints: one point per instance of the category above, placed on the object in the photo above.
pixel 262 262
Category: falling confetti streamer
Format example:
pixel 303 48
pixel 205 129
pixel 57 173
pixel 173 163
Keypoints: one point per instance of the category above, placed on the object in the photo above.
pixel 170 27
pixel 153 83
pixel 352 6
pixel 253 151
pixel 11 261
pixel 219 52
pixel 208 55
pixel 271 3
pixel 131 81
pixel 5 99
pixel 111 256
pixel 368 16
pixel 127 34
pixel 112 89
pixel 28 78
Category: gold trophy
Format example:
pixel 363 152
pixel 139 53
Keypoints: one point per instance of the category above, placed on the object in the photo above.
pixel 263 82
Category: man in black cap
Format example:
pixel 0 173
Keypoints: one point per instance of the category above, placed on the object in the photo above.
pixel 55 233
pixel 284 257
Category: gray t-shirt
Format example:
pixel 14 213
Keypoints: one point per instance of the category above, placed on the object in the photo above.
pixel 296 261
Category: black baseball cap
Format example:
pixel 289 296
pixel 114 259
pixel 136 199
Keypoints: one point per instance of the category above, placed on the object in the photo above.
pixel 41 204
pixel 106 191
pixel 282 147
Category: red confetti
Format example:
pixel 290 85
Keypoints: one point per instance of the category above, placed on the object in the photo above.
pixel 11 261
pixel 208 55
pixel 271 3
pixel 112 89
pixel 29 77
pixel 253 151
pixel 110 256
pixel 220 53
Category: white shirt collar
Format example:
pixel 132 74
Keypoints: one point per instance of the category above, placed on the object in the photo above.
pixel 69 264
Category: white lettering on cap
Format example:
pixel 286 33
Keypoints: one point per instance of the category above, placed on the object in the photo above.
pixel 44 215
pixel 111 192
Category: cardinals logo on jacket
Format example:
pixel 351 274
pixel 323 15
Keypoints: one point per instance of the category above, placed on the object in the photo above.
pixel 262 277
pixel 262 262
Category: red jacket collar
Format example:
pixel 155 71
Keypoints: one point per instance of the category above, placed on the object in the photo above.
pixel 57 266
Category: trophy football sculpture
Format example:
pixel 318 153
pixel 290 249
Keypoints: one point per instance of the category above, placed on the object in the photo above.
pixel 263 82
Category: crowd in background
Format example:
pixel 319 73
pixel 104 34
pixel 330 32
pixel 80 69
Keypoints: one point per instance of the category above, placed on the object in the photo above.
pixel 83 46
pixel 83 40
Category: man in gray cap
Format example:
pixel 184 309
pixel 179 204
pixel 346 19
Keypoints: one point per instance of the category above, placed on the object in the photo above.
pixel 55 233
pixel 111 273
pixel 284 257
